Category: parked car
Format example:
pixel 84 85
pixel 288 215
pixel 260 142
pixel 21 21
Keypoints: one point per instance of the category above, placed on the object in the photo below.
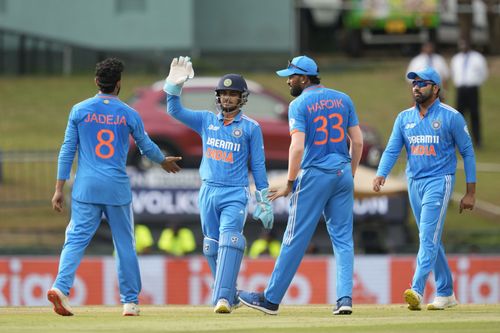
pixel 269 109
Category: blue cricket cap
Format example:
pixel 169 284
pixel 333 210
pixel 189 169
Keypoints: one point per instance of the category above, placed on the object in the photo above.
pixel 302 65
pixel 427 74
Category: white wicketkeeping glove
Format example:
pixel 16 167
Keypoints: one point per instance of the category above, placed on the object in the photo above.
pixel 181 70
pixel 264 210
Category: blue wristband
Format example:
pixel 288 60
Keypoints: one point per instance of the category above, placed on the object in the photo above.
pixel 172 89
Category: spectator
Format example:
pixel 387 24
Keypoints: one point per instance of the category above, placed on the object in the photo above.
pixel 177 241
pixel 469 71
pixel 266 244
pixel 428 57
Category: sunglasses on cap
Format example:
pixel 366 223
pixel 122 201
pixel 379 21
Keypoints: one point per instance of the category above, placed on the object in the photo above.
pixel 290 65
pixel 421 84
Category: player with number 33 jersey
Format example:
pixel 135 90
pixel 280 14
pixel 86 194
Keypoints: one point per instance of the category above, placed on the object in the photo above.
pixel 320 178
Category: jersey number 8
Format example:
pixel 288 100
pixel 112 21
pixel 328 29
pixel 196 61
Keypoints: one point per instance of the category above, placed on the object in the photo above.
pixel 105 143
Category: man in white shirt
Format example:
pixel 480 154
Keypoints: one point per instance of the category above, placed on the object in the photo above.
pixel 429 58
pixel 469 71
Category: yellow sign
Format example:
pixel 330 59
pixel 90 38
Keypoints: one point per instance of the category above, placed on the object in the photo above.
pixel 395 27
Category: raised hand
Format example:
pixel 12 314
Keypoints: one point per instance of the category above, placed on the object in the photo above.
pixel 181 70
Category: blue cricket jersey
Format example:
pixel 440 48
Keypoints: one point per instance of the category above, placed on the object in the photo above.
pixel 324 115
pixel 226 149
pixel 430 143
pixel 99 129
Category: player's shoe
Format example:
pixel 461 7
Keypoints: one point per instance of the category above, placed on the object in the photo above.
pixel 443 302
pixel 236 302
pixel 413 299
pixel 222 306
pixel 344 306
pixel 131 309
pixel 259 302
pixel 60 301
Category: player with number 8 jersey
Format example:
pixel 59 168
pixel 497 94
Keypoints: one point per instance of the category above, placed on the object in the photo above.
pixel 99 129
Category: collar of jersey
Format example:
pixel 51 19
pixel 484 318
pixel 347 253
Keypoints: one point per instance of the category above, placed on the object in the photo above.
pixel 317 86
pixel 237 118
pixel 434 106
pixel 106 96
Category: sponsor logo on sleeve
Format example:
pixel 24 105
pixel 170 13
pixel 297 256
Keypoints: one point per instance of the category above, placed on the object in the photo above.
pixel 410 126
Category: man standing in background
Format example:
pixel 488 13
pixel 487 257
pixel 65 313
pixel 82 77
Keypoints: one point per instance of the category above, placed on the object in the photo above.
pixel 99 129
pixel 469 71
pixel 428 57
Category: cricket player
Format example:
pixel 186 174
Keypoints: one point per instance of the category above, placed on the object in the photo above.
pixel 99 128
pixel 230 141
pixel 430 131
pixel 320 177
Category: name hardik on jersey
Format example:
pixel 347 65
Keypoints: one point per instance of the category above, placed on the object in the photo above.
pixel 430 143
pixel 325 116
pixel 99 128
pixel 226 149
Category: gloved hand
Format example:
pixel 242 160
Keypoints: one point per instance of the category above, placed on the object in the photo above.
pixel 181 70
pixel 264 209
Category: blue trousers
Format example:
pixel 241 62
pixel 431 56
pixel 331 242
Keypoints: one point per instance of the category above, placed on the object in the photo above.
pixel 223 212
pixel 429 199
pixel 317 192
pixel 222 209
pixel 85 219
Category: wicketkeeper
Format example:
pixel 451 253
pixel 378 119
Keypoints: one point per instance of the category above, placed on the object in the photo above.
pixel 231 143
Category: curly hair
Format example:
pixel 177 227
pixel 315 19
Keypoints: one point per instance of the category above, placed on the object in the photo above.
pixel 108 72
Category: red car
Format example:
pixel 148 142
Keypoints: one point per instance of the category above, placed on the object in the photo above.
pixel 269 109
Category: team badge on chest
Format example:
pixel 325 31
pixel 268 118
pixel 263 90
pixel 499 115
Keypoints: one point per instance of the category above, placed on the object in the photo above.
pixel 237 132
pixel 436 124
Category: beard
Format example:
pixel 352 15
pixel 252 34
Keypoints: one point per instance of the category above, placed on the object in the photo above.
pixel 295 91
pixel 421 98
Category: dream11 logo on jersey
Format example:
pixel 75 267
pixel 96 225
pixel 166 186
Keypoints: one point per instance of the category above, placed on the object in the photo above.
pixel 26 281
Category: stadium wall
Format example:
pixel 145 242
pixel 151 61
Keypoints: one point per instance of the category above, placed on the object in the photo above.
pixel 377 280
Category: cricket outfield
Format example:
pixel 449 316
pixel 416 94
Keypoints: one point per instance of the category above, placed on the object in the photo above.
pixel 309 319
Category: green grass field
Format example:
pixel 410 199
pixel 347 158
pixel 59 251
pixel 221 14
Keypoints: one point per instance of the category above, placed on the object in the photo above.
pixel 309 319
